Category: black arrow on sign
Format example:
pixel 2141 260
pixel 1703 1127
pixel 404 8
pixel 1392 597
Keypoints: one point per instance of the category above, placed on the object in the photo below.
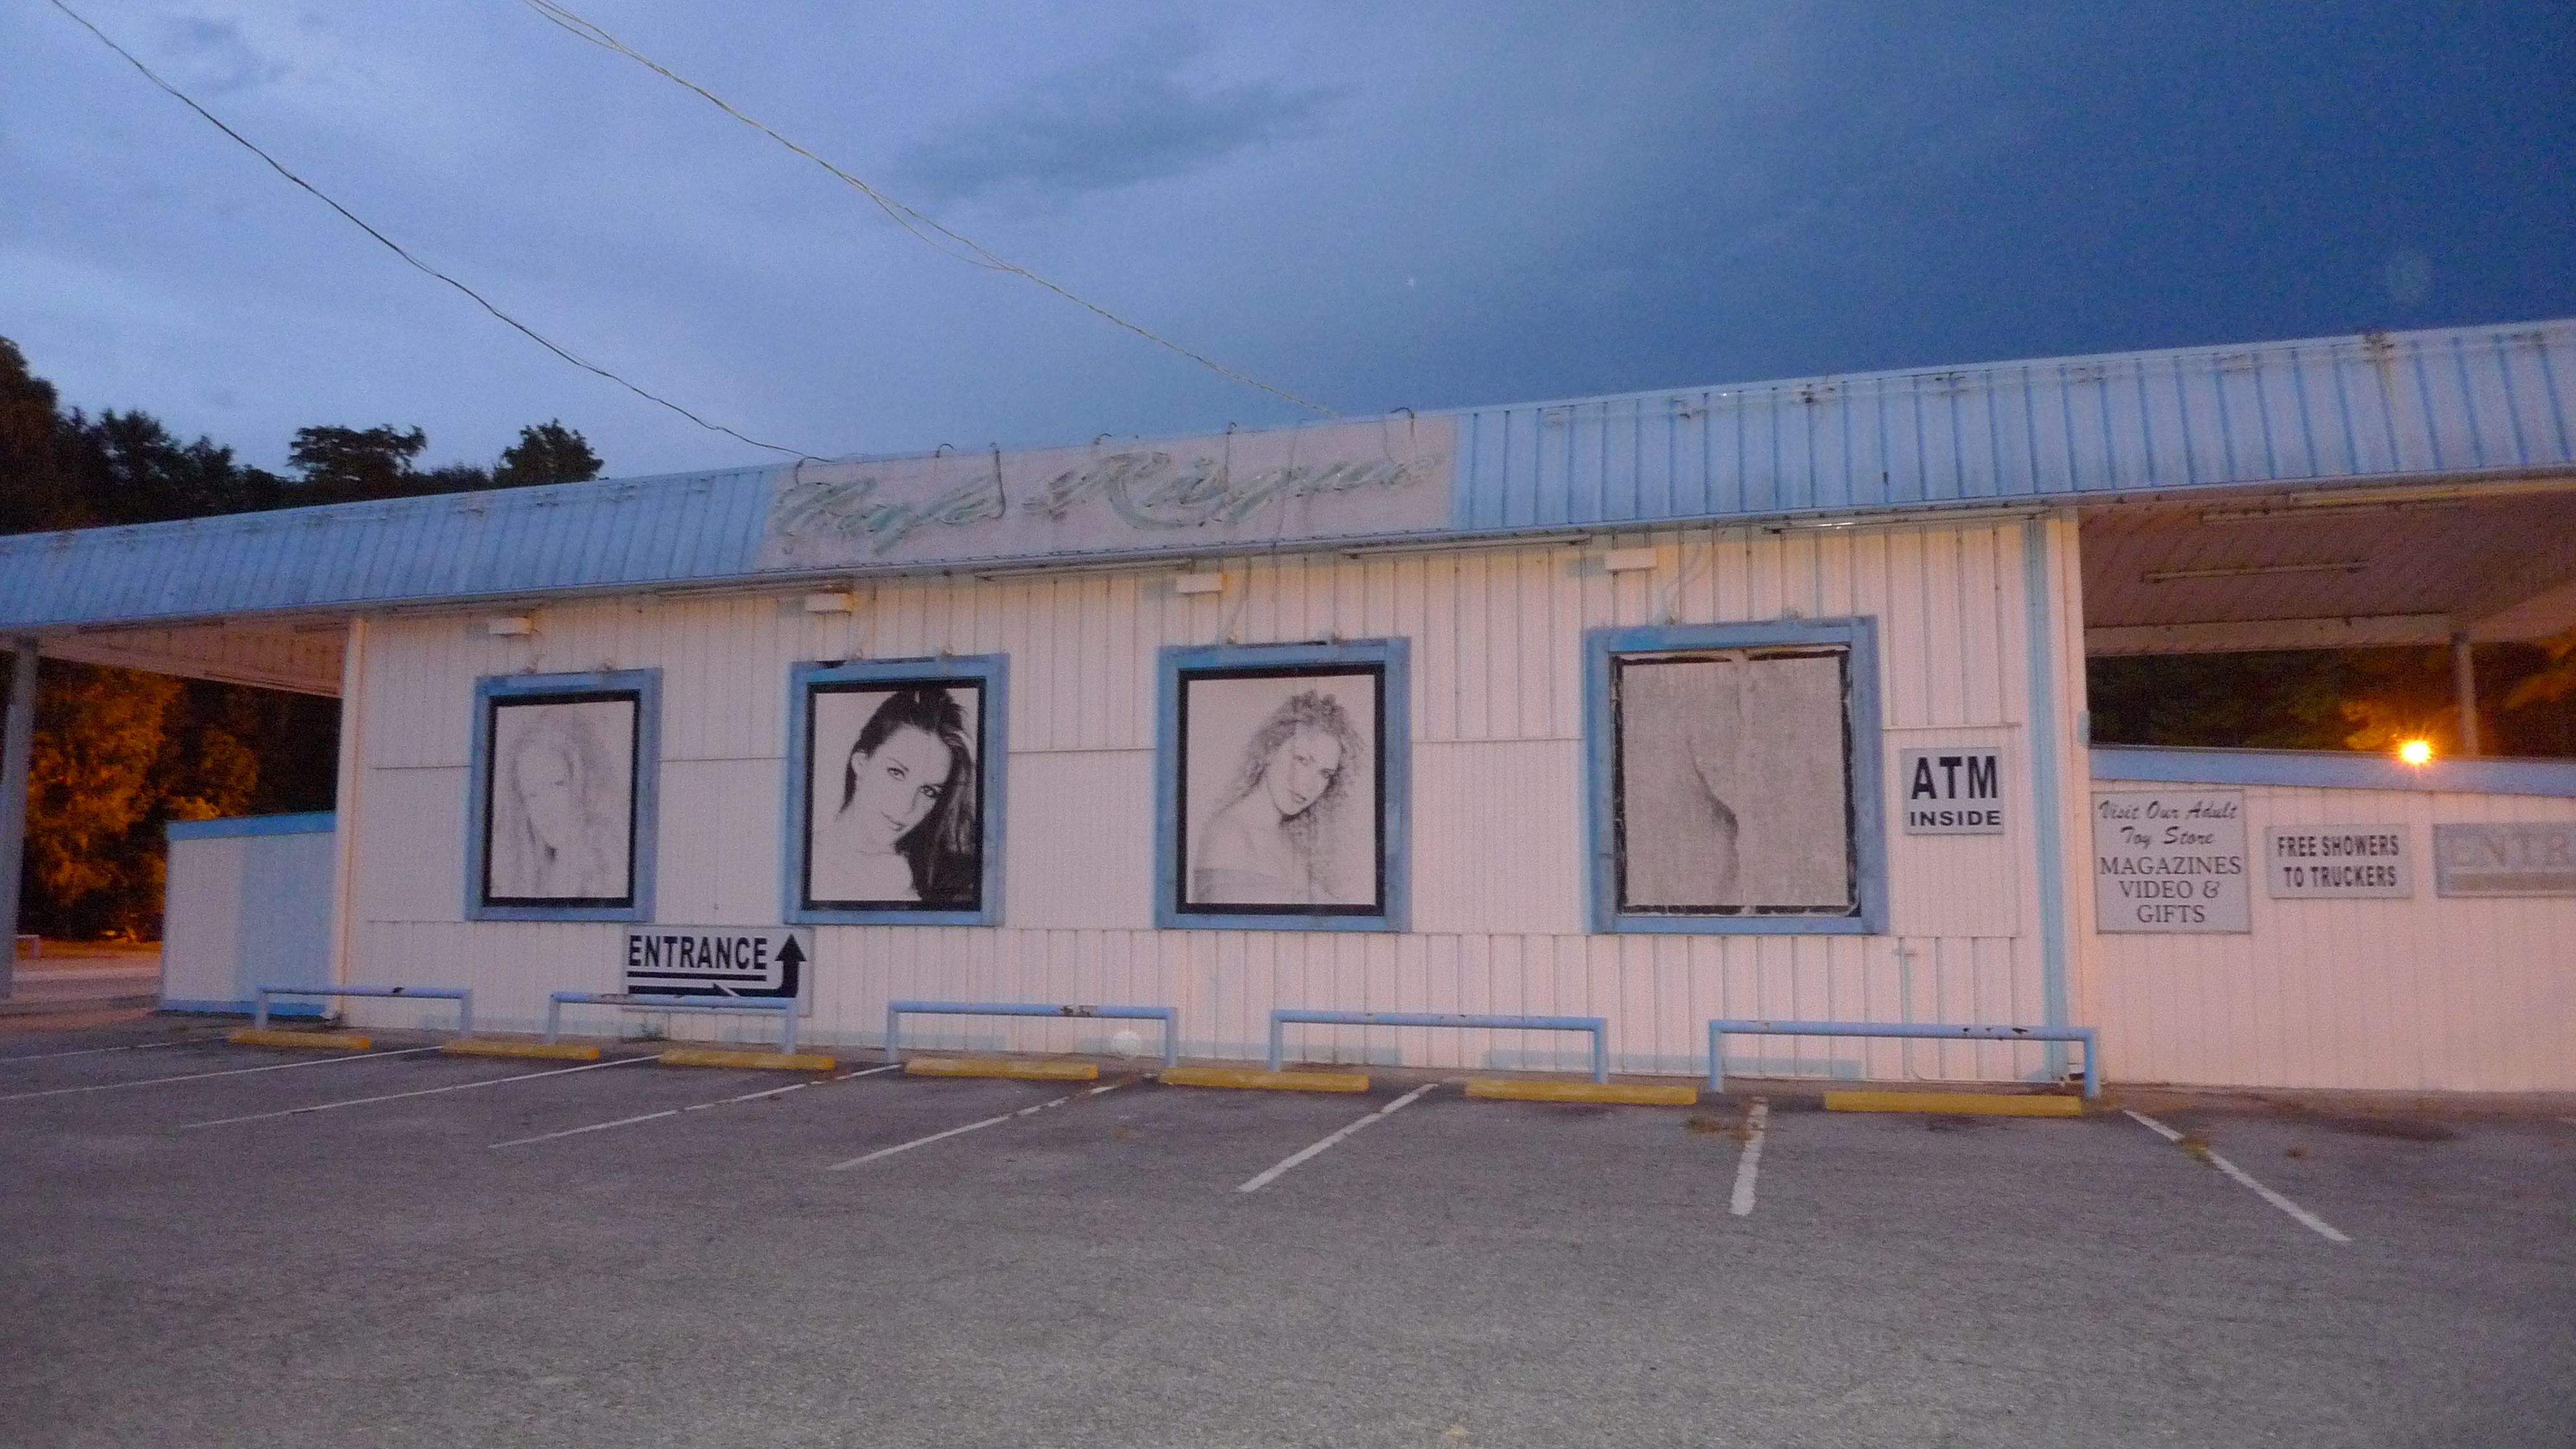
pixel 790 956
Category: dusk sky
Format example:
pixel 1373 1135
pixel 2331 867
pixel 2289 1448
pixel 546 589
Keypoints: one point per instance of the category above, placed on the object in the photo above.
pixel 1372 206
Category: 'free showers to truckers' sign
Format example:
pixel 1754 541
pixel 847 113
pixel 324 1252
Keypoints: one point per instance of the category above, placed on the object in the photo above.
pixel 2170 861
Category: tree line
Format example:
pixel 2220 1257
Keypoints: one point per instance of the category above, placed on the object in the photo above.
pixel 118 753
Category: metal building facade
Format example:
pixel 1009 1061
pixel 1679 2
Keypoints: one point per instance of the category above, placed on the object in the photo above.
pixel 1996 523
pixel 1498 923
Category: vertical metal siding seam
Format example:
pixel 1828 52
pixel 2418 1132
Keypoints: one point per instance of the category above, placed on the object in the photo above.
pixel 2073 455
pixel 1462 472
pixel 2263 415
pixel 2310 464
pixel 2502 353
pixel 2469 405
pixel 2218 386
pixel 376 535
pixel 2557 407
pixel 640 522
pixel 608 533
pixel 1810 494
pixel 1852 485
pixel 1919 486
pixel 2382 371
pixel 2030 430
pixel 2343 413
pixel 1994 444
pixel 2146 425
pixel 1742 491
pixel 2438 457
pixel 1954 403
pixel 1672 439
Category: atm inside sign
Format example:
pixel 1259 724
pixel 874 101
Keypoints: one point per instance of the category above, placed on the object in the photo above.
pixel 1952 790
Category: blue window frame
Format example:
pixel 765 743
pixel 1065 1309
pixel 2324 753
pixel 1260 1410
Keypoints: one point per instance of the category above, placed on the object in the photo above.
pixel 890 845
pixel 1714 756
pixel 1263 752
pixel 564 784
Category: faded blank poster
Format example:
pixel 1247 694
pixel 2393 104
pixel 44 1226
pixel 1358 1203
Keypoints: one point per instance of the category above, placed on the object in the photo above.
pixel 1733 785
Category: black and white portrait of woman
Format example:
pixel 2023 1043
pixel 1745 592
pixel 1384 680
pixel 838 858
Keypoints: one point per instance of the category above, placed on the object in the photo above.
pixel 562 801
pixel 894 806
pixel 1733 787
pixel 1281 794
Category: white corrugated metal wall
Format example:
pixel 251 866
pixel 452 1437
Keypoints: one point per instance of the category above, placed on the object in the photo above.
pixel 2426 993
pixel 1497 843
pixel 246 907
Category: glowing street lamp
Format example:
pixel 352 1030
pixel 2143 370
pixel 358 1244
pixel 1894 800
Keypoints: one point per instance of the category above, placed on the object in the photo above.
pixel 2416 752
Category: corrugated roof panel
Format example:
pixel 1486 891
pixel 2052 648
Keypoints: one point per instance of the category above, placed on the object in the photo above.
pixel 2326 411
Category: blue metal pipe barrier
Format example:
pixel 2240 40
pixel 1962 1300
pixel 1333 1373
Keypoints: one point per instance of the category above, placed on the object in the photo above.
pixel 461 995
pixel 1927 1031
pixel 1598 1026
pixel 785 1006
pixel 1169 1016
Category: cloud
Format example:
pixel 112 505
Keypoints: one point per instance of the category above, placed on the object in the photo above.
pixel 212 57
pixel 1104 125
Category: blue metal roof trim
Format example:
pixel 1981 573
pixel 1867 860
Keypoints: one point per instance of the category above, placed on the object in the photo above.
pixel 2328 412
pixel 677 529
pixel 2331 769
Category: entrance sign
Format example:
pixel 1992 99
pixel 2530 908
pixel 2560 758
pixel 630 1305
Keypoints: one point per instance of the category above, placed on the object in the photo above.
pixel 2338 862
pixel 2505 860
pixel 1952 790
pixel 2170 861
pixel 716 960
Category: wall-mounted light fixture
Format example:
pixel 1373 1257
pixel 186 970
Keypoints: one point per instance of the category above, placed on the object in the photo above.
pixel 510 626
pixel 1628 560
pixel 1199 584
pixel 836 603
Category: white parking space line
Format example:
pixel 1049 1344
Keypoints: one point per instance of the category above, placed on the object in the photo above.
pixel 1381 1114
pixel 226 1072
pixel 969 1127
pixel 420 1092
pixel 694 1107
pixel 93 1051
pixel 2246 1180
pixel 1751 1162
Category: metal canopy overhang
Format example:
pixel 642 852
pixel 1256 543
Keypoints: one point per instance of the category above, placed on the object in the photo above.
pixel 2385 488
pixel 2343 568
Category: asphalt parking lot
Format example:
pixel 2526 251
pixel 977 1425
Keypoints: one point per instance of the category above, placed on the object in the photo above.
pixel 1086 1267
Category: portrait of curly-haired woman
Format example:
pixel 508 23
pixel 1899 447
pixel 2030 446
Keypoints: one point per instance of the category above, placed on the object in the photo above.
pixel 562 801
pixel 1282 791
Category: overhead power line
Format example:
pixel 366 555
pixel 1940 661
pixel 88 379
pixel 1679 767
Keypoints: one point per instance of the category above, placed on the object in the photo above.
pixel 931 233
pixel 396 248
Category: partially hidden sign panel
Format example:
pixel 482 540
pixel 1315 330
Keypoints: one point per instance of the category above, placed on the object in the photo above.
pixel 2170 861
pixel 1343 480
pixel 717 960
pixel 2505 859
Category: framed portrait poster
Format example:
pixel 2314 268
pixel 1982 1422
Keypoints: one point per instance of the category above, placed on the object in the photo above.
pixel 1283 786
pixel 561 822
pixel 895 791
pixel 1735 778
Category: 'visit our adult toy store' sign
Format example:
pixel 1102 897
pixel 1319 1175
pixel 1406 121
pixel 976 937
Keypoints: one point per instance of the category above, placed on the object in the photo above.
pixel 2170 861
